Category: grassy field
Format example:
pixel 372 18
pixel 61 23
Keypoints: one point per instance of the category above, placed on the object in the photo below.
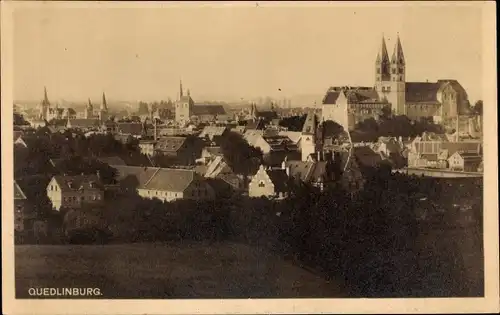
pixel 221 270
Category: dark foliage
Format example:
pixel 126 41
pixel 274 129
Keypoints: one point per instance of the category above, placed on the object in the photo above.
pixel 241 157
pixel 394 126
pixel 293 123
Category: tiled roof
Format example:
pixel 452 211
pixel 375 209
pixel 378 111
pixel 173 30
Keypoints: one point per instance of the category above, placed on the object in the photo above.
pixel 140 173
pixel 354 95
pixel 422 92
pixel 294 136
pixel 471 156
pixel 279 179
pixel 170 144
pixel 255 125
pixel 18 193
pixel 300 170
pixel 133 128
pixel 112 160
pixel 212 131
pixel 75 183
pixel 331 97
pixel 319 171
pixel 453 147
pixel 200 109
pixel 166 179
pixel 84 123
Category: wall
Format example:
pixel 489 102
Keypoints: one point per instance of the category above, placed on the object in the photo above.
pixel 261 178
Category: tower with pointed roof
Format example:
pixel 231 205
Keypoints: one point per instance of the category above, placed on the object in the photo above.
pixel 103 111
pixel 44 105
pixel 183 107
pixel 390 76
pixel 89 110
pixel 308 136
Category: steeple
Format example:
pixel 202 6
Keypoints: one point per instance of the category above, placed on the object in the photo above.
pixel 180 90
pixel 104 104
pixel 398 63
pixel 89 105
pixel 382 63
pixel 397 55
pixel 45 96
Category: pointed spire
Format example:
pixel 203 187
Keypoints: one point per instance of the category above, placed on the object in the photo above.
pixel 397 55
pixel 383 55
pixel 180 90
pixel 45 96
pixel 104 104
pixel 90 103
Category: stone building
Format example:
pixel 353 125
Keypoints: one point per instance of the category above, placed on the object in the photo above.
pixel 440 101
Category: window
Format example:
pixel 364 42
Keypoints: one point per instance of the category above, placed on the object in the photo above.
pixel 94 197
pixel 82 198
pixel 261 184
pixel 378 71
pixel 393 71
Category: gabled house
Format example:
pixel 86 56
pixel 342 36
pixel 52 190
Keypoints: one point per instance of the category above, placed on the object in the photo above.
pixel 465 161
pixel 171 184
pixel 75 191
pixel 271 183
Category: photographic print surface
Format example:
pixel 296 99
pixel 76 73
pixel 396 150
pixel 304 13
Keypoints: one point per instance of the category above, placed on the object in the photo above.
pixel 248 151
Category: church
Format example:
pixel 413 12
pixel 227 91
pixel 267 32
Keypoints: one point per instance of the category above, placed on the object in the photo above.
pixel 442 101
pixel 47 112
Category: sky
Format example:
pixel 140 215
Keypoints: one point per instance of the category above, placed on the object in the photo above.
pixel 234 51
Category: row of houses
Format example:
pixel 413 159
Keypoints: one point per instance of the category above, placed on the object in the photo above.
pixel 437 151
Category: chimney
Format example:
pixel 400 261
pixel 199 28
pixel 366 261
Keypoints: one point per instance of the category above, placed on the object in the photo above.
pixel 319 156
pixel 155 134
pixel 98 173
pixel 287 171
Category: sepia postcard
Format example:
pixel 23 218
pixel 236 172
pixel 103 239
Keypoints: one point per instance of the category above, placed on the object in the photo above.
pixel 249 157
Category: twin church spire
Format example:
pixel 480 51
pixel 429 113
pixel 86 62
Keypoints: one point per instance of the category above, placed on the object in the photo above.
pixel 392 69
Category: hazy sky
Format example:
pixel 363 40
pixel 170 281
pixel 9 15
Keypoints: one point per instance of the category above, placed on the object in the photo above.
pixel 235 51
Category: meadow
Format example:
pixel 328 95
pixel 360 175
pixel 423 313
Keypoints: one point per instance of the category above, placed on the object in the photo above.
pixel 161 270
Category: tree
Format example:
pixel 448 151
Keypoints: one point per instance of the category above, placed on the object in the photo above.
pixel 19 120
pixel 240 156
pixel 293 123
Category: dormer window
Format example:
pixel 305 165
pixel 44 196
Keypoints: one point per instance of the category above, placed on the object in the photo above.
pixel 261 184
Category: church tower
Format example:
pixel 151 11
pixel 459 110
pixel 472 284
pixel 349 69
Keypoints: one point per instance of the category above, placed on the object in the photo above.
pixel 398 80
pixel 89 110
pixel 308 137
pixel 390 77
pixel 45 105
pixel 382 65
pixel 103 111
pixel 183 107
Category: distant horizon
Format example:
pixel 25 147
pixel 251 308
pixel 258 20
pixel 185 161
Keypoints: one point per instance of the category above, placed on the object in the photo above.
pixel 246 52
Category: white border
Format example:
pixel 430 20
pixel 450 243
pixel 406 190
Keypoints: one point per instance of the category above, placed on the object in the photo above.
pixel 490 303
